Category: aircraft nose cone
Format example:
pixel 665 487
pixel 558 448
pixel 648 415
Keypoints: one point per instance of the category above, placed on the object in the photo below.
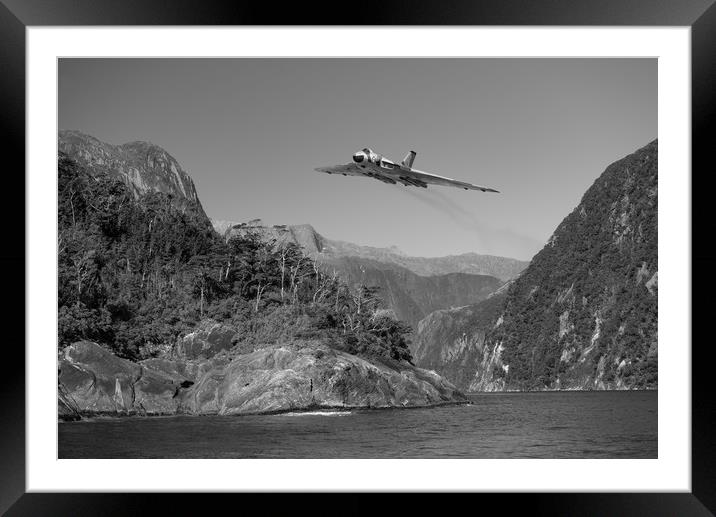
pixel 358 157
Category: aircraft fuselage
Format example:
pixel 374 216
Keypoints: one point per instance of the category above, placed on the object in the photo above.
pixel 377 166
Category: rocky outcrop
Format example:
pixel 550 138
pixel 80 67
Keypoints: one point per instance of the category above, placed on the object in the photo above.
pixel 583 315
pixel 278 378
pixel 66 408
pixel 94 380
pixel 142 166
pixel 281 378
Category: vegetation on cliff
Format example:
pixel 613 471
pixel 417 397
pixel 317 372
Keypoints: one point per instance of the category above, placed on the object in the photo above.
pixel 136 273
pixel 590 293
pixel 583 315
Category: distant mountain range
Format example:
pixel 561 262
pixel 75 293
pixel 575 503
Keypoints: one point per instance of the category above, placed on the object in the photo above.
pixel 583 315
pixel 412 296
pixel 143 166
pixel 412 287
pixel 314 243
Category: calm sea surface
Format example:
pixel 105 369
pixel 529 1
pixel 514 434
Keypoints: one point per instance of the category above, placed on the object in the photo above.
pixel 496 425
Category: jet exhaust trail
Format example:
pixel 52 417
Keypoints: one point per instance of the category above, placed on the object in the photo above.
pixel 485 237
pixel 439 202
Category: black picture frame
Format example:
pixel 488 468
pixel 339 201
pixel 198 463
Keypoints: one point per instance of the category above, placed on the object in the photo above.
pixel 17 15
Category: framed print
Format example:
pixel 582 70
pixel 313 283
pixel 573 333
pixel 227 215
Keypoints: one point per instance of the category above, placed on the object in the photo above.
pixel 439 252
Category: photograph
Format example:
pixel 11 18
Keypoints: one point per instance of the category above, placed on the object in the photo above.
pixel 357 257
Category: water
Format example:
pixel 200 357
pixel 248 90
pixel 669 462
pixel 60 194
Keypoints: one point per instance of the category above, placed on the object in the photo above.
pixel 496 425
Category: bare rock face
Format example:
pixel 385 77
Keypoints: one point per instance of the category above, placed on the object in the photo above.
pixel 96 380
pixel 92 380
pixel 66 408
pixel 142 166
pixel 456 343
pixel 284 378
pixel 155 392
pixel 206 341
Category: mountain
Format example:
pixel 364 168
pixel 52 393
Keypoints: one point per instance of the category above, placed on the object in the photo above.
pixel 455 343
pixel 411 296
pixel 142 166
pixel 314 243
pixel 583 315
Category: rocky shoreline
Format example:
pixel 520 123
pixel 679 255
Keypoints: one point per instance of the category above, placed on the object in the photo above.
pixel 63 418
pixel 302 376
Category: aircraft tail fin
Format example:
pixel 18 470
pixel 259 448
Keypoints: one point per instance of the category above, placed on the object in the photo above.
pixel 409 159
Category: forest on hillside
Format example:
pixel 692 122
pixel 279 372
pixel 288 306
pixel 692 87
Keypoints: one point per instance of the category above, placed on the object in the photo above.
pixel 591 290
pixel 134 274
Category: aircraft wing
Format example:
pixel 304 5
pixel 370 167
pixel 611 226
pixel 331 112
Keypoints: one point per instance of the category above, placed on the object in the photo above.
pixel 434 179
pixel 349 169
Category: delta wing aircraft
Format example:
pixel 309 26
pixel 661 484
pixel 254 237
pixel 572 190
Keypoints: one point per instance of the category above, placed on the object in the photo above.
pixel 373 165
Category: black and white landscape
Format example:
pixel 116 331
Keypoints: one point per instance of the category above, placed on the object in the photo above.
pixel 254 333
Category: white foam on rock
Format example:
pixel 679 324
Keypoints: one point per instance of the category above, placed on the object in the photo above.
pixel 317 413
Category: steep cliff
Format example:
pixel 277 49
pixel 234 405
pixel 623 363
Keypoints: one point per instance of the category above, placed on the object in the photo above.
pixel 583 315
pixel 142 166
pixel 455 343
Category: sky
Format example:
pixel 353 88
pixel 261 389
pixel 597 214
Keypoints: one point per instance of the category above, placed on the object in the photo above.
pixel 251 131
